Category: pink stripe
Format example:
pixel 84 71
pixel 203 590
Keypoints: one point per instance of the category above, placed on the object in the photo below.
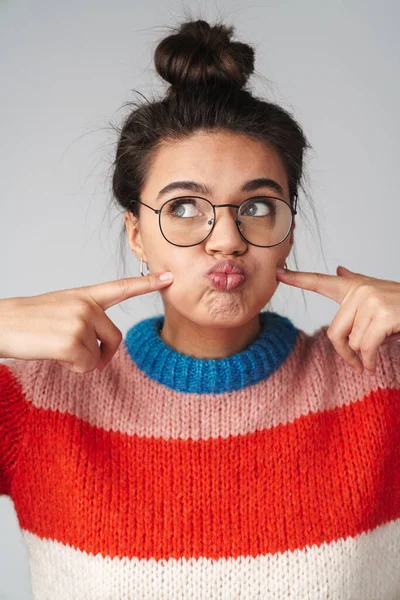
pixel 122 398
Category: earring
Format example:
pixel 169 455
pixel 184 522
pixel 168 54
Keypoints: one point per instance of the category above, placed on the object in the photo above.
pixel 141 268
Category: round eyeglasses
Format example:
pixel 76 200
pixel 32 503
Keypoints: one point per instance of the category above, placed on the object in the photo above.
pixel 262 221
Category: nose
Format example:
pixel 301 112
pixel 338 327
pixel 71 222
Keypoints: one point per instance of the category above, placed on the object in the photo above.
pixel 225 237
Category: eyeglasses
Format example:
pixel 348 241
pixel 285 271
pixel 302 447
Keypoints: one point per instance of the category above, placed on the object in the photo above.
pixel 263 221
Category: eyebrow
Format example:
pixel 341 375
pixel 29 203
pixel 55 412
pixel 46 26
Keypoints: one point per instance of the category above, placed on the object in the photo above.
pixel 199 188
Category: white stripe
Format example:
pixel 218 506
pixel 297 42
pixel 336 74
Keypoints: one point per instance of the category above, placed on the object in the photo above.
pixel 367 566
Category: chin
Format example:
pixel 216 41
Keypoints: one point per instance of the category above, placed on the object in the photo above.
pixel 221 314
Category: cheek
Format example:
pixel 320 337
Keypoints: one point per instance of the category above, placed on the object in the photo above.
pixel 188 271
pixel 185 265
pixel 161 254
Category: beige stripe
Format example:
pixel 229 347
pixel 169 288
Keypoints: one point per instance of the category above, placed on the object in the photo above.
pixel 363 567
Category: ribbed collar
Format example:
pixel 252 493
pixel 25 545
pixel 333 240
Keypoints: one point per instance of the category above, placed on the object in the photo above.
pixel 184 373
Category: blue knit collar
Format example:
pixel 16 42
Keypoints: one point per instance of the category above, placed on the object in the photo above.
pixel 184 373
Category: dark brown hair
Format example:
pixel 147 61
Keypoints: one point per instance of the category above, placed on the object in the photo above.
pixel 208 74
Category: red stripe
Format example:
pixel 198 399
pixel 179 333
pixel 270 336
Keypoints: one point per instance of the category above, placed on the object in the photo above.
pixel 325 476
pixel 14 410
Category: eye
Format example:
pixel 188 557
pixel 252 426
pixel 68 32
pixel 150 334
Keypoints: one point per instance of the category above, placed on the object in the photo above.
pixel 183 208
pixel 261 207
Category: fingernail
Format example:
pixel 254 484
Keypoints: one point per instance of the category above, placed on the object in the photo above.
pixel 280 270
pixel 167 276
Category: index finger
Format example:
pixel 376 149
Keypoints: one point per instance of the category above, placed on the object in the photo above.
pixel 331 286
pixel 110 293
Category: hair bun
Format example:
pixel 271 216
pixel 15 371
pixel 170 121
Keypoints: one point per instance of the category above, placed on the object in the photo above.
pixel 198 53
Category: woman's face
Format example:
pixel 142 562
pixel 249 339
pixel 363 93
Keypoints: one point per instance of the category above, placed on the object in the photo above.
pixel 223 162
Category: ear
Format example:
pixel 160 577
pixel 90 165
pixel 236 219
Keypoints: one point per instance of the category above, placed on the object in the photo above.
pixel 134 238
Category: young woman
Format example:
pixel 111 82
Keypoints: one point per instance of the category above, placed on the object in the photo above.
pixel 216 451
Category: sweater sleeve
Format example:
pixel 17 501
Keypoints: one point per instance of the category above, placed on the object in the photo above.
pixel 17 380
pixel 388 364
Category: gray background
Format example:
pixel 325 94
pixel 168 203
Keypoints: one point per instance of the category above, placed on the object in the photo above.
pixel 67 67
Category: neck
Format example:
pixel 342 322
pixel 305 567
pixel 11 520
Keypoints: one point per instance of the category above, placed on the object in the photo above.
pixel 201 341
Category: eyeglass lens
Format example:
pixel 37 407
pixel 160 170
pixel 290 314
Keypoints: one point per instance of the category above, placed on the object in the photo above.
pixel 263 221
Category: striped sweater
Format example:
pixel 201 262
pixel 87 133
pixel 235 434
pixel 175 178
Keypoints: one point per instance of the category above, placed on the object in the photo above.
pixel 271 474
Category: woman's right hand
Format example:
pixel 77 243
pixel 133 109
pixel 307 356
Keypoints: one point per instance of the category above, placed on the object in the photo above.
pixel 66 325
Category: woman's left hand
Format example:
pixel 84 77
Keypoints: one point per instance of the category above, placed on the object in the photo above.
pixel 369 313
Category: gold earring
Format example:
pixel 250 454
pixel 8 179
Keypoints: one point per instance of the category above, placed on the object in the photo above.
pixel 141 268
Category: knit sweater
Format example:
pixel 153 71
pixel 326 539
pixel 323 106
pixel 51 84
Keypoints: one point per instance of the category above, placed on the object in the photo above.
pixel 273 473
